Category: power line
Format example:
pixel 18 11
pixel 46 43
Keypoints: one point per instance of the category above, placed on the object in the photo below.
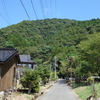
pixel 46 3
pixel 56 8
pixel 51 7
pixel 6 12
pixel 42 8
pixel 8 22
pixel 34 9
pixel 25 9
pixel 4 19
pixel 46 7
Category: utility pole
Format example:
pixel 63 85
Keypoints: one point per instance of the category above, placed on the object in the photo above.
pixel 70 66
pixel 50 70
pixel 50 74
pixel 55 65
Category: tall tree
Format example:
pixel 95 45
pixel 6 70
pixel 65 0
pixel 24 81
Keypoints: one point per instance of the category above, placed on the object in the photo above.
pixel 90 52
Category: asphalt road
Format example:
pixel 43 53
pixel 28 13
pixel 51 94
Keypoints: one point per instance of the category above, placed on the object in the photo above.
pixel 60 91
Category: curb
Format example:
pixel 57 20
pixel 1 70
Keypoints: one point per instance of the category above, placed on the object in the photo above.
pixel 38 95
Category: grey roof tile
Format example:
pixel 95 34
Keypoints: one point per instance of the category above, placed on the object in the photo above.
pixel 26 59
pixel 6 53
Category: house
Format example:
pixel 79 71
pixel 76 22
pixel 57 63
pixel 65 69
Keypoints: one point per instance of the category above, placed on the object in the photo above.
pixel 25 60
pixel 9 58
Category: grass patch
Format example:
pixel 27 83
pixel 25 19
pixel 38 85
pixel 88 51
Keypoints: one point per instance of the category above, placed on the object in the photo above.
pixel 85 91
pixel 76 85
pixel 98 89
pixel 29 97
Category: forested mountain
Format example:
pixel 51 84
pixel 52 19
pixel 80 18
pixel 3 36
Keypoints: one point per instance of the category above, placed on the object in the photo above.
pixel 44 39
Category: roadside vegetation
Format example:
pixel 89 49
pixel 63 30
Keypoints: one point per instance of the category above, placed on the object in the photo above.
pixel 33 83
pixel 34 78
pixel 86 91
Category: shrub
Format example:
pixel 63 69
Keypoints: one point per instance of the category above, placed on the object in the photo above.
pixel 30 80
pixel 44 73
pixel 90 80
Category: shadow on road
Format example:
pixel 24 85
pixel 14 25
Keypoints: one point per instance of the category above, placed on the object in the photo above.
pixel 61 81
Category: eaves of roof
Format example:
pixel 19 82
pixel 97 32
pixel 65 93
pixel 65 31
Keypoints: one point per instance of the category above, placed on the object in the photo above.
pixel 25 59
pixel 10 56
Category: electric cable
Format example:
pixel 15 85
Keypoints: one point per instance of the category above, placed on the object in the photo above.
pixel 4 19
pixel 5 9
pixel 34 9
pixel 51 8
pixel 25 9
pixel 46 7
pixel 56 8
pixel 42 8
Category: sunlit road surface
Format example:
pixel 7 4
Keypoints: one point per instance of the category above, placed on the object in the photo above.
pixel 60 91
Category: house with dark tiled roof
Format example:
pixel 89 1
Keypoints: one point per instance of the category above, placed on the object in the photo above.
pixel 25 60
pixel 9 67
pixel 9 58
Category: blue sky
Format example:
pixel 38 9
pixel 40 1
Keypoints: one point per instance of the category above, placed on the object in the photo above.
pixel 13 11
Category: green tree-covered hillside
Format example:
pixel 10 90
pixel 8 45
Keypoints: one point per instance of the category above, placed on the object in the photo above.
pixel 44 39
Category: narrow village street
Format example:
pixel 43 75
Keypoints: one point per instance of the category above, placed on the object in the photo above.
pixel 60 91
